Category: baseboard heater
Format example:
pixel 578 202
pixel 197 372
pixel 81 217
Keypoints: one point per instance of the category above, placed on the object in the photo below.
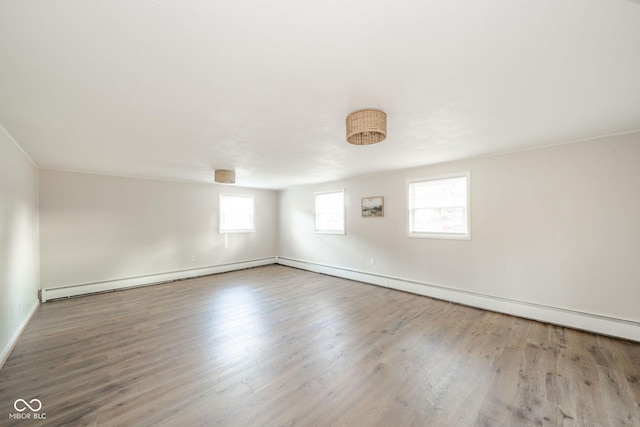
pixel 48 294
pixel 604 325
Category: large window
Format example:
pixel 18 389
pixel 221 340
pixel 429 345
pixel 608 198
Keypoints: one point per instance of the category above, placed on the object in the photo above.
pixel 438 207
pixel 236 214
pixel 330 212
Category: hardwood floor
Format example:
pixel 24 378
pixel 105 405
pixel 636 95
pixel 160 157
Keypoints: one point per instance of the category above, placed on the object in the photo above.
pixel 279 346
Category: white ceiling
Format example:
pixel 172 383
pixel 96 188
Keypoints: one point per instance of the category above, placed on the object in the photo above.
pixel 175 89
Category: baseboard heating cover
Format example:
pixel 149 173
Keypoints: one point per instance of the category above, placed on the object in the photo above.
pixel 605 325
pixel 110 285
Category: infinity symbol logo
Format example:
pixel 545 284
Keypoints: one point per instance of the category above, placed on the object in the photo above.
pixel 26 405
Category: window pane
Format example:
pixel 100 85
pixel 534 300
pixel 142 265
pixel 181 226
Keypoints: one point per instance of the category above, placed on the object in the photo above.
pixel 331 202
pixel 329 221
pixel 236 213
pixel 330 212
pixel 439 207
pixel 441 193
pixel 440 220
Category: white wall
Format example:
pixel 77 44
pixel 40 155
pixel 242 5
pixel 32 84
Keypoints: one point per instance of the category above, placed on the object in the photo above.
pixel 19 272
pixel 96 228
pixel 554 227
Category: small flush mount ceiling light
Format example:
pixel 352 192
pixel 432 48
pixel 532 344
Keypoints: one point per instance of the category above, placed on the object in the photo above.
pixel 366 127
pixel 223 176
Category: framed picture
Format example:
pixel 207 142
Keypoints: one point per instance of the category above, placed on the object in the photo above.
pixel 372 206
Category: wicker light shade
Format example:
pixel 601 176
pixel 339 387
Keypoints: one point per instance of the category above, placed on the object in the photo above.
pixel 366 127
pixel 223 176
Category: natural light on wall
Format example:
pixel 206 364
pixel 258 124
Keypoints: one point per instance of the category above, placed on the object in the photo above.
pixel 438 207
pixel 236 214
pixel 330 212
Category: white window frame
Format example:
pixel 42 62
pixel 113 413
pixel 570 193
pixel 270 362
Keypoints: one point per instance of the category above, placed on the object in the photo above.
pixel 444 235
pixel 344 209
pixel 222 230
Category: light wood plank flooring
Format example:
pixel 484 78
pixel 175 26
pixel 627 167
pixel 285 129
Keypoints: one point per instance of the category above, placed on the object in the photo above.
pixel 276 346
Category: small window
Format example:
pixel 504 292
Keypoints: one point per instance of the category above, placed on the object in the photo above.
pixel 330 212
pixel 236 214
pixel 438 207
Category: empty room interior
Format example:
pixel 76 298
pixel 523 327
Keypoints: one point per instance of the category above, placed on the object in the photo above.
pixel 356 213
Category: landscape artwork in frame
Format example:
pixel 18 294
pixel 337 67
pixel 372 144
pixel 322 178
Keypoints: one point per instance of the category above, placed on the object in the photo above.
pixel 372 206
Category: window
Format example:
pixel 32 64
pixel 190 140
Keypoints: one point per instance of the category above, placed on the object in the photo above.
pixel 330 212
pixel 438 207
pixel 236 214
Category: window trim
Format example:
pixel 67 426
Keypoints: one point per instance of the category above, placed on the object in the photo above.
pixel 344 212
pixel 431 235
pixel 253 212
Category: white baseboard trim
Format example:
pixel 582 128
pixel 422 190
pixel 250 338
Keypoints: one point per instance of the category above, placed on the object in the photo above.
pixel 151 279
pixel 6 351
pixel 604 325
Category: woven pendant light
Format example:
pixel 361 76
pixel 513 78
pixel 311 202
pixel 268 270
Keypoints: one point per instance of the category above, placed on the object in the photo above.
pixel 366 127
pixel 223 176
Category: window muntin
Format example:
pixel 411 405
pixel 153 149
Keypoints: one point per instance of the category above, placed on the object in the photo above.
pixel 330 212
pixel 236 213
pixel 438 207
